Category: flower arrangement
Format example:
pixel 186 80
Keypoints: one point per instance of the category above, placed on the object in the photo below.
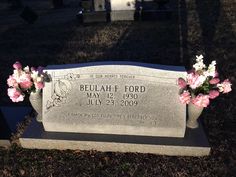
pixel 202 84
pixel 24 81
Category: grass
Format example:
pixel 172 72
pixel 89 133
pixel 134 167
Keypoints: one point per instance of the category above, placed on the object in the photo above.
pixel 209 27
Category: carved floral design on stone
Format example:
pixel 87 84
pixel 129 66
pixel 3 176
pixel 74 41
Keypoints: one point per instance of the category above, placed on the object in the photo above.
pixel 61 89
pixel 72 76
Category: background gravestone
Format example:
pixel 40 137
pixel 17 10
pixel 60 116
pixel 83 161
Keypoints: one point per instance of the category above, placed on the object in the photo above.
pixel 93 11
pixel 141 10
pixel 99 5
pixel 87 5
pixel 123 10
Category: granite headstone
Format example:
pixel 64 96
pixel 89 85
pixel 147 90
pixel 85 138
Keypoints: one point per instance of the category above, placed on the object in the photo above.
pixel 120 98
pixel 99 5
pixel 122 10
pixel 93 11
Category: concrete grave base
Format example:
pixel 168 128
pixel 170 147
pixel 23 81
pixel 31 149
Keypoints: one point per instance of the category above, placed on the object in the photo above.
pixel 5 143
pixel 91 17
pixel 9 118
pixel 123 15
pixel 193 144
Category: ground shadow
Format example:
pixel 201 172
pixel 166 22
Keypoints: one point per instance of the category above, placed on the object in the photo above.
pixel 183 17
pixel 4 128
pixel 218 36
pixel 218 40
pixel 35 45
pixel 208 12
pixel 70 42
pixel 148 41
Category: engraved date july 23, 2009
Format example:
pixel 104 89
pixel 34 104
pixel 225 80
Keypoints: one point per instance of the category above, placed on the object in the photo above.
pixel 112 95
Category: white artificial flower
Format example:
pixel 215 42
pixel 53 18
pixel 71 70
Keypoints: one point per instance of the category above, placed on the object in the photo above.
pixel 39 79
pixel 199 58
pixel 213 63
pixel 34 75
pixel 26 69
pixel 212 69
pixel 220 87
pixel 199 65
pixel 202 79
pixel 17 74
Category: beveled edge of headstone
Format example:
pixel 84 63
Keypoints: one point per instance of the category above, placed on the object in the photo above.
pixel 124 63
pixel 163 132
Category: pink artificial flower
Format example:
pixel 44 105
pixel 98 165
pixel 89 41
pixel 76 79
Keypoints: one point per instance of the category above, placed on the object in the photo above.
pixel 39 85
pixel 17 65
pixel 185 97
pixel 194 80
pixel 25 81
pixel 201 100
pixel 11 81
pixel 216 74
pixel 213 94
pixel 226 86
pixel 182 83
pixel 214 81
pixel 15 95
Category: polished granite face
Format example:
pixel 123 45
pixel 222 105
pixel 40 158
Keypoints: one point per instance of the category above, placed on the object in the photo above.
pixel 120 98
